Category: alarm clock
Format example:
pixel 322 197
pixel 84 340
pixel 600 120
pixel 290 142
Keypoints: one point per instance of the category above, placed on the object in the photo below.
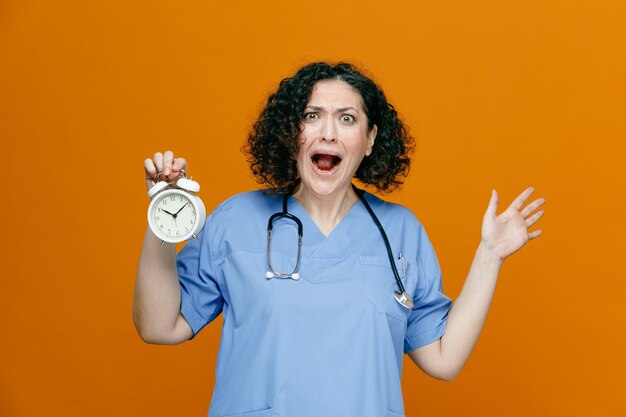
pixel 176 213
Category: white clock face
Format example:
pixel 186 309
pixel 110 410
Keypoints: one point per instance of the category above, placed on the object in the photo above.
pixel 173 215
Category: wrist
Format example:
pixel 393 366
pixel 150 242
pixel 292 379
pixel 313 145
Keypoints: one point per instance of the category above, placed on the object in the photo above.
pixel 488 256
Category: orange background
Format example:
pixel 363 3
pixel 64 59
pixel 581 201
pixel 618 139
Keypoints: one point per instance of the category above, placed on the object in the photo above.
pixel 499 94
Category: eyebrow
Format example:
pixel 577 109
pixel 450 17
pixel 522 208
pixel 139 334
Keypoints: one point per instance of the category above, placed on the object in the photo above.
pixel 341 109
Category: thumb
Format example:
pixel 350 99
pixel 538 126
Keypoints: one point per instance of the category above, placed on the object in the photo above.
pixel 492 208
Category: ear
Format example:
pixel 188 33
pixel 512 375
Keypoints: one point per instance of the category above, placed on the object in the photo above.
pixel 371 138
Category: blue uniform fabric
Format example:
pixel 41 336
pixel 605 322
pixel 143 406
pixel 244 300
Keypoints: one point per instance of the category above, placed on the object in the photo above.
pixel 330 344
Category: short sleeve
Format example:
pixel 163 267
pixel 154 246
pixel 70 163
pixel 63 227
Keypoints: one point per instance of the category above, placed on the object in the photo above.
pixel 201 299
pixel 427 321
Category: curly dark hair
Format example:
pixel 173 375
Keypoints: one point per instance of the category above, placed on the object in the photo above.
pixel 271 146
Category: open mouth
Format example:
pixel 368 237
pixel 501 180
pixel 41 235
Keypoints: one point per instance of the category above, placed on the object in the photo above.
pixel 325 162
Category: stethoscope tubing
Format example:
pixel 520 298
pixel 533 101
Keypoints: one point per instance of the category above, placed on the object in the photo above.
pixel 272 273
pixel 401 296
pixel 383 234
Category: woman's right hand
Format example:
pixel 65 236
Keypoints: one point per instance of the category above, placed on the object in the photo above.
pixel 156 302
pixel 166 163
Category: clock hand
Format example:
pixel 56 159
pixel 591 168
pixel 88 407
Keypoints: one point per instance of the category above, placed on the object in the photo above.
pixel 184 205
pixel 173 215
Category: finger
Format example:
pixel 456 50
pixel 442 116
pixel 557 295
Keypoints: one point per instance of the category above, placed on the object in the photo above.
pixel 532 207
pixel 492 208
pixel 535 234
pixel 533 219
pixel 168 156
pixel 149 168
pixel 179 164
pixel 158 161
pixel 519 201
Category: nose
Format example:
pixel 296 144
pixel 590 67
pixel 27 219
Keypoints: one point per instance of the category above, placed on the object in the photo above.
pixel 329 132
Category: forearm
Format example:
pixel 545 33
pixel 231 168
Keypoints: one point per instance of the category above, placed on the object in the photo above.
pixel 501 236
pixel 156 302
pixel 468 313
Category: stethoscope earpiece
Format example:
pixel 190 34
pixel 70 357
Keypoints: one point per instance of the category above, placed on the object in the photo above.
pixel 269 275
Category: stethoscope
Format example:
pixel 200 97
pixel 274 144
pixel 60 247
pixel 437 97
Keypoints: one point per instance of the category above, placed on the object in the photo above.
pixel 401 296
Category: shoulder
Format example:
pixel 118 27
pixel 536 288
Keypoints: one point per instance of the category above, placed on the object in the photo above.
pixel 401 223
pixel 393 212
pixel 244 211
pixel 238 223
pixel 246 203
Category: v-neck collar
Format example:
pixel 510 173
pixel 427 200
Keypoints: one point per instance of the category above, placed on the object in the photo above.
pixel 315 243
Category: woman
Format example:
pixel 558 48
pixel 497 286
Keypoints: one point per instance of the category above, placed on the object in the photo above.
pixel 329 339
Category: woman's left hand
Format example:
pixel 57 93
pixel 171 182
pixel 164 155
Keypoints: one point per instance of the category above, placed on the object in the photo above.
pixel 505 234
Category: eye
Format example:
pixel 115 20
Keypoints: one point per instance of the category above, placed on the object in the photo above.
pixel 347 119
pixel 310 116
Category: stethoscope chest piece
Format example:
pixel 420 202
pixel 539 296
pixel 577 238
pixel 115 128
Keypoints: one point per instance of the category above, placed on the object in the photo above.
pixel 403 299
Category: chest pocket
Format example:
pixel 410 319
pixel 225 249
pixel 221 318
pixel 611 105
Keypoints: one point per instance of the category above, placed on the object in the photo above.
pixel 380 284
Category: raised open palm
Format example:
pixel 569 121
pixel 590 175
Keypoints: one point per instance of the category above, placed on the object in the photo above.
pixel 506 233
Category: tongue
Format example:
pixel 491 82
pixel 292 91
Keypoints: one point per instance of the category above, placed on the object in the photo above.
pixel 326 162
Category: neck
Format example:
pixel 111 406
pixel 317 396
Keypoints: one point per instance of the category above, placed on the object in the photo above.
pixel 327 210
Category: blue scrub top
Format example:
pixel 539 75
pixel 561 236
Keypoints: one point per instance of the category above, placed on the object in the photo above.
pixel 330 344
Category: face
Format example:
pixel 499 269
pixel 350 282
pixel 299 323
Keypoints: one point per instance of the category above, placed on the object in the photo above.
pixel 334 140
